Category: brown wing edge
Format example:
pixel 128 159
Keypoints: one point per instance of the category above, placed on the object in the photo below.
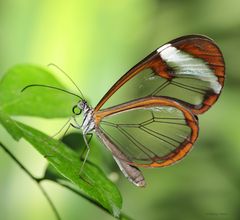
pixel 200 47
pixel 175 155
pixel 205 48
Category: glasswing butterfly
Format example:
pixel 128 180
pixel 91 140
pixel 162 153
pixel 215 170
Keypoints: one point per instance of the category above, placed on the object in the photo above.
pixel 148 118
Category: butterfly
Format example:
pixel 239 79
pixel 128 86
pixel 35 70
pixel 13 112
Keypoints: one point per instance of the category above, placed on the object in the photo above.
pixel 148 118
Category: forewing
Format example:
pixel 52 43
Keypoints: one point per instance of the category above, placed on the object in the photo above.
pixel 189 69
pixel 149 131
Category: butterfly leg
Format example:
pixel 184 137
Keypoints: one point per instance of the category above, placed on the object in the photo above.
pixel 65 132
pixel 61 129
pixel 85 148
pixel 87 153
pixel 77 126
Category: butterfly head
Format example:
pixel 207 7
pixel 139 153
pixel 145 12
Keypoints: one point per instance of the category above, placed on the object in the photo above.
pixel 81 106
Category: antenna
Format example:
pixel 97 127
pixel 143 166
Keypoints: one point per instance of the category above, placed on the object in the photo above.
pixel 50 87
pixel 61 70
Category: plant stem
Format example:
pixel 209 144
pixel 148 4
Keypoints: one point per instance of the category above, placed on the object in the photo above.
pixel 37 180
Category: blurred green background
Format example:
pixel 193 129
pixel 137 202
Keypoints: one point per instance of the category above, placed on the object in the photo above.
pixel 95 42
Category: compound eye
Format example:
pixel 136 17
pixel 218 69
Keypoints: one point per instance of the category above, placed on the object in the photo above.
pixel 76 110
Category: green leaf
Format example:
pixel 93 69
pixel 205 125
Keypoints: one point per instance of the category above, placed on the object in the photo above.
pixel 92 182
pixel 43 102
pixel 35 101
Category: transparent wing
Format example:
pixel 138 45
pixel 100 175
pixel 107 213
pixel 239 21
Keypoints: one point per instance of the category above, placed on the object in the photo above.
pixel 189 69
pixel 150 131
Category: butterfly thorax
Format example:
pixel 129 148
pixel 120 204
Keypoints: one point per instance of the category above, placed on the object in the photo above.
pixel 88 122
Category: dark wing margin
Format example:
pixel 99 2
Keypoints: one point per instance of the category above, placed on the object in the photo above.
pixel 189 69
pixel 148 132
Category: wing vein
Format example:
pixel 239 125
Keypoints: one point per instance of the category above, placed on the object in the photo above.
pixel 137 143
